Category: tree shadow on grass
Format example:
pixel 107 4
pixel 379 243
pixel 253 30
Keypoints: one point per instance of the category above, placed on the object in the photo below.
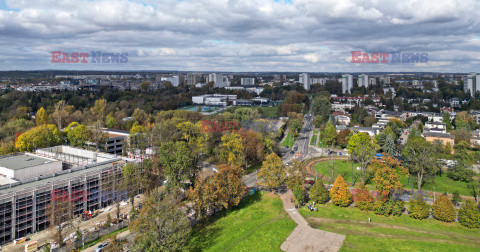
pixel 206 232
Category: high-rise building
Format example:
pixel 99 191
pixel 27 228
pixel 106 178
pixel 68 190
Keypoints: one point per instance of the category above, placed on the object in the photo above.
pixel 372 81
pixel 304 78
pixel 472 84
pixel 347 83
pixel 247 81
pixel 193 79
pixel 363 80
pixel 219 80
pixel 174 80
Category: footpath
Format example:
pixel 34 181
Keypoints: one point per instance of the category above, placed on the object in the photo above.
pixel 304 237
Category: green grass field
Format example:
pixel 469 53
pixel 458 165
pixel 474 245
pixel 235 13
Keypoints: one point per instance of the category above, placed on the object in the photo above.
pixel 259 223
pixel 391 233
pixel 441 183
pixel 269 111
pixel 289 140
pixel 313 140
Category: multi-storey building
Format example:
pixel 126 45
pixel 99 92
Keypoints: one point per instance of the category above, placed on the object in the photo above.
pixel 347 83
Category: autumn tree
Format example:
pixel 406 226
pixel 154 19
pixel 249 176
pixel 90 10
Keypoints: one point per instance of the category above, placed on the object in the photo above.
pixel 387 176
pixel 463 119
pixel 231 149
pixel 59 211
pixel 253 147
pixel 295 174
pixel 339 192
pixel 178 163
pixel 343 137
pixel 362 148
pixel 363 198
pixel 39 137
pixel 161 225
pixel 420 159
pixel 418 208
pixel 98 110
pixel 132 179
pixel 319 193
pixel 469 215
pixel 77 134
pixel 110 121
pixel 41 118
pixel 62 111
pixel 443 209
pixel 272 174
pixel 203 196
pixel 229 188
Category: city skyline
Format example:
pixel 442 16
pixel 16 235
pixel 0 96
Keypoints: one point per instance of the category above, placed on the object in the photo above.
pixel 241 36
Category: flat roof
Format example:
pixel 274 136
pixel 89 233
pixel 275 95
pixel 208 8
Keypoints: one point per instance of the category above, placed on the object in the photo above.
pixel 22 160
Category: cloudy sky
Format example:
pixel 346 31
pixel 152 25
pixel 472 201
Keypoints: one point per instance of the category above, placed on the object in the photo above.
pixel 241 35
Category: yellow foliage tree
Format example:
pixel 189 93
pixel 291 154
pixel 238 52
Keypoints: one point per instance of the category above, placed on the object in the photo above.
pixel 39 137
pixel 41 117
pixel 339 193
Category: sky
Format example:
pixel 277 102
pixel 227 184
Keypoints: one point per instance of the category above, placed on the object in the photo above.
pixel 241 35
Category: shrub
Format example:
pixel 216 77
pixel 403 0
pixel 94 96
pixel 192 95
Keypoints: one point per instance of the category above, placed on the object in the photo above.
pixel 460 173
pixel 456 198
pixel 339 193
pixel 299 194
pixel 443 209
pixel 363 199
pixel 468 215
pixel 418 208
pixel 319 193
pixel 397 208
pixel 382 207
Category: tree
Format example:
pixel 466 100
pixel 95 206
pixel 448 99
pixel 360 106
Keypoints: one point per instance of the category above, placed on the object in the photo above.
pixel 389 146
pixel 203 196
pixel 39 137
pixel 443 209
pixel 272 174
pixel 145 86
pixel 446 120
pixel 329 134
pixel 77 134
pixel 363 198
pixel 41 118
pixel 469 215
pixel 229 188
pixel 299 194
pixel 295 174
pixel 322 107
pixel 132 180
pixel 339 193
pixel 161 225
pixel 420 159
pixel 110 121
pixel 319 193
pixel 253 147
pixel 343 137
pixel 464 120
pixel 62 110
pixel 418 208
pixel 231 149
pixel 362 148
pixel 140 116
pixel 59 211
pixel 99 109
pixel 387 176
pixel 178 163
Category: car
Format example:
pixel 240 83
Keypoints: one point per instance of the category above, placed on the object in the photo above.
pixel 310 182
pixel 102 246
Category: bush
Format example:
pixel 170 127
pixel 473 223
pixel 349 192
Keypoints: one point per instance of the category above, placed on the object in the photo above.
pixel 468 215
pixel 363 199
pixel 456 198
pixel 299 194
pixel 443 209
pixel 397 208
pixel 382 208
pixel 339 193
pixel 418 208
pixel 460 173
pixel 319 193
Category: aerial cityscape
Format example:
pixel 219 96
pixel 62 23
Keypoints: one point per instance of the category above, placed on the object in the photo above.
pixel 239 125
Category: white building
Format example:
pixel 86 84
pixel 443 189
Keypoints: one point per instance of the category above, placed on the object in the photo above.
pixel 372 81
pixel 363 80
pixel 472 84
pixel 172 79
pixel 213 99
pixel 219 80
pixel 347 83
pixel 247 81
pixel 304 78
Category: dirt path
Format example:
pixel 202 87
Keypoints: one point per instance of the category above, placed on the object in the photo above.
pixel 304 237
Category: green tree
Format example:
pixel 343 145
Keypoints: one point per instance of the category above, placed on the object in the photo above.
pixel 296 174
pixel 99 109
pixel 299 194
pixel 443 209
pixel 77 134
pixel 464 120
pixel 362 148
pixel 110 121
pixel 178 163
pixel 447 121
pixel 339 192
pixel 418 208
pixel 389 146
pixel 41 118
pixel 468 215
pixel 420 159
pixel 272 174
pixel 329 134
pixel 322 107
pixel 161 225
pixel 319 193
pixel 132 177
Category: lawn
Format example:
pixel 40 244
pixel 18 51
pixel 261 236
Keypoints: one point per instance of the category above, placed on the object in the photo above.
pixel 270 112
pixel 259 223
pixel 441 183
pixel 313 140
pixel 289 140
pixel 391 233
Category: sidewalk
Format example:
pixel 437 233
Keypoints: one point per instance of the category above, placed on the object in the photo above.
pixel 304 237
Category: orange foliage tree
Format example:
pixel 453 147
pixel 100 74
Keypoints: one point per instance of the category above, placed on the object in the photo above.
pixel 339 193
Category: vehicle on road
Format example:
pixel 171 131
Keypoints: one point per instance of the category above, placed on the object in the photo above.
pixel 102 246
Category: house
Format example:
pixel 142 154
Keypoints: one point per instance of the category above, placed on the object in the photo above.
pixel 369 130
pixel 442 137
pixel 341 118
pixel 436 127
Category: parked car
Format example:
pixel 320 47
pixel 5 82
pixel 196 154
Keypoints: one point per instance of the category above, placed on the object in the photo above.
pixel 102 246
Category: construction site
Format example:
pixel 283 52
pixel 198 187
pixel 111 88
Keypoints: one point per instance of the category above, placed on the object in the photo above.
pixel 29 182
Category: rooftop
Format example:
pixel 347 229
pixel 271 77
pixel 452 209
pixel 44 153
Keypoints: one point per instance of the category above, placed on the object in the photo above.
pixel 22 160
